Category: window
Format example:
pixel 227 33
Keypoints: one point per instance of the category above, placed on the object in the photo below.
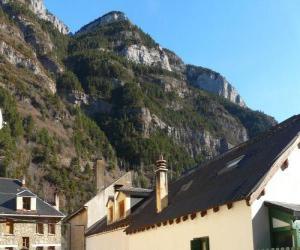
pixel 51 248
pixel 26 203
pixel 39 248
pixel 122 209
pixel 25 241
pixel 51 228
pixel 40 228
pixel 9 248
pixel 200 244
pixel 231 165
pixel 9 227
pixel 110 214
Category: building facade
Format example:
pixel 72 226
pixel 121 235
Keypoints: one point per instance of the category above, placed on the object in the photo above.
pixel 247 198
pixel 26 221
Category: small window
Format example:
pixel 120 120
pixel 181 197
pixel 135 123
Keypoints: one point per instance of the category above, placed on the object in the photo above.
pixel 231 165
pixel 9 227
pixel 9 248
pixel 110 214
pixel 51 248
pixel 122 209
pixel 25 242
pixel 40 228
pixel 200 244
pixel 39 248
pixel 51 228
pixel 26 203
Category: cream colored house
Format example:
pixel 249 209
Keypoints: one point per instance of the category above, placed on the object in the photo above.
pixel 93 210
pixel 247 198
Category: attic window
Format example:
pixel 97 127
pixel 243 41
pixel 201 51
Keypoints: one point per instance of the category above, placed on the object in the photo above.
pixel 26 203
pixel 231 164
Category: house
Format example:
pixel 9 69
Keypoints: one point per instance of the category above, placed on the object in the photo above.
pixel 247 198
pixel 93 210
pixel 27 222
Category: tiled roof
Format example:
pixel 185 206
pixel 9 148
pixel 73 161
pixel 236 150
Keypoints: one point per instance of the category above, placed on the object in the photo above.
pixel 208 186
pixel 10 188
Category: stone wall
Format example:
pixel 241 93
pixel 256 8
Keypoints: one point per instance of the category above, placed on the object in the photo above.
pixel 23 229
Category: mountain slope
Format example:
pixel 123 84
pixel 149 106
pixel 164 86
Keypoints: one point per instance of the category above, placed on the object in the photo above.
pixel 109 91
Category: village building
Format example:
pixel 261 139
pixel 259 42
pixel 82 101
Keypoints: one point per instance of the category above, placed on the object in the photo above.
pixel 93 210
pixel 26 221
pixel 247 198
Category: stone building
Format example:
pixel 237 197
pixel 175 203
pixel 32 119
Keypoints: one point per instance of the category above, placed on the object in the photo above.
pixel 26 221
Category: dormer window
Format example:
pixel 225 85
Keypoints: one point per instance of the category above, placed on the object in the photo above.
pixel 26 203
pixel 231 165
pixel 122 209
pixel 110 214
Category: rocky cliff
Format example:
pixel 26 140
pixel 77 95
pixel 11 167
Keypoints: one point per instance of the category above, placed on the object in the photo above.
pixel 110 92
pixel 38 7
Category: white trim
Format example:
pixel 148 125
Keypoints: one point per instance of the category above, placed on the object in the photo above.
pixel 13 246
pixel 32 215
pixel 46 245
pixel 27 191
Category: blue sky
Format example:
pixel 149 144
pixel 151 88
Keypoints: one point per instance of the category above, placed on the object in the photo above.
pixel 254 44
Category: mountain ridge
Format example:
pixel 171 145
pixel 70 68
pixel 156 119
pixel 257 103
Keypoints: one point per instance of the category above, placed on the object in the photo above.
pixel 70 100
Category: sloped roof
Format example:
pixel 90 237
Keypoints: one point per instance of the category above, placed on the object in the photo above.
pixel 291 208
pixel 208 186
pixel 136 192
pixel 10 188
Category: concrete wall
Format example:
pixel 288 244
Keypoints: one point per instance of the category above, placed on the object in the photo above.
pixel 97 206
pixel 75 232
pixel 283 187
pixel 115 240
pixel 29 230
pixel 226 229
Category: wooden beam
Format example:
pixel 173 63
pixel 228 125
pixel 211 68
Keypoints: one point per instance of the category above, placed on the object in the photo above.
pixel 193 216
pixel 171 221
pixel 263 192
pixel 165 223
pixel 184 218
pixel 158 224
pixel 178 220
pixel 203 213
pixel 230 205
pixel 216 209
pixel 285 165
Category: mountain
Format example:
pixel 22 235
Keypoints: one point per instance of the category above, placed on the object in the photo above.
pixel 107 92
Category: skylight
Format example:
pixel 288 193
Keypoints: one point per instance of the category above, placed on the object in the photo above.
pixel 231 164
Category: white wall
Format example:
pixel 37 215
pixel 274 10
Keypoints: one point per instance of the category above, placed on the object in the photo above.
pixel 115 240
pixel 227 230
pixel 283 187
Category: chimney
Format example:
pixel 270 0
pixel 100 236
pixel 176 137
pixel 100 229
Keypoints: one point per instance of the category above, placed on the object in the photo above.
pixel 24 181
pixel 161 179
pixel 100 167
pixel 56 201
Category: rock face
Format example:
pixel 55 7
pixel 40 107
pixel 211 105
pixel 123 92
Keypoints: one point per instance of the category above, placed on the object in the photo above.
pixel 147 56
pixel 213 82
pixel 111 17
pixel 38 7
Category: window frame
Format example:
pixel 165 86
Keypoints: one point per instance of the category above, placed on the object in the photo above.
pixel 121 206
pixel 197 243
pixel 26 203
pixel 27 242
pixel 39 248
pixel 51 248
pixel 54 228
pixel 11 229
pixel 42 227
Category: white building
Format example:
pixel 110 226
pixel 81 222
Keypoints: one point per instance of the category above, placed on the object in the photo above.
pixel 247 198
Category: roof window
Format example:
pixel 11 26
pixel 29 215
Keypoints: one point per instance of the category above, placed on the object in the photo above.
pixel 231 165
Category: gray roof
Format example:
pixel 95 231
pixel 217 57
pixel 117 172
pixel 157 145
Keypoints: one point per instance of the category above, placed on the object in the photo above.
pixel 136 192
pixel 208 186
pixel 293 209
pixel 10 189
